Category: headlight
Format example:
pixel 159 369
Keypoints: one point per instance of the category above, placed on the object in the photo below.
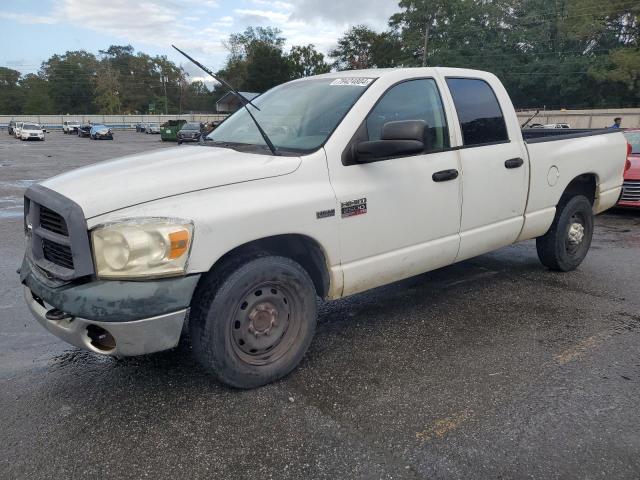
pixel 142 248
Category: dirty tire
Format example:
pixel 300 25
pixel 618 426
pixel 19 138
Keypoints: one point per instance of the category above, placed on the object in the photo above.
pixel 252 322
pixel 558 249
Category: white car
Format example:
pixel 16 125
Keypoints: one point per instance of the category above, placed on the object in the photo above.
pixel 17 128
pixel 70 126
pixel 31 131
pixel 152 128
pixel 353 180
pixel 556 125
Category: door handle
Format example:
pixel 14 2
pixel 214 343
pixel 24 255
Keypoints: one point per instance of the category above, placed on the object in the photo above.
pixel 514 163
pixel 444 175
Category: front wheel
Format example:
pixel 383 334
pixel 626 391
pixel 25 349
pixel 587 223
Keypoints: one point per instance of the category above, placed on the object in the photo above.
pixel 567 242
pixel 252 324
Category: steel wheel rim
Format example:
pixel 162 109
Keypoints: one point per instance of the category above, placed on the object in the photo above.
pixel 576 232
pixel 264 325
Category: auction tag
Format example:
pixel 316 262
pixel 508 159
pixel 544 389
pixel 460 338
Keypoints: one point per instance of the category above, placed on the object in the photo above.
pixel 357 81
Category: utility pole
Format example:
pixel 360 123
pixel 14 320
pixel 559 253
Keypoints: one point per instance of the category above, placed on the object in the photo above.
pixel 165 79
pixel 426 41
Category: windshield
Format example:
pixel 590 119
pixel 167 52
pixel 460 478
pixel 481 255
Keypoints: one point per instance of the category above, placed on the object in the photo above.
pixel 153 124
pixel 296 116
pixel 191 126
pixel 31 126
pixel 634 139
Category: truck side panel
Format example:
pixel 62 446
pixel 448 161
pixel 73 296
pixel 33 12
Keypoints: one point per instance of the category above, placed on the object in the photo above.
pixel 230 216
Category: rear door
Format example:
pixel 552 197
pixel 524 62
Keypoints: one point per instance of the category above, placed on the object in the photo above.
pixel 495 168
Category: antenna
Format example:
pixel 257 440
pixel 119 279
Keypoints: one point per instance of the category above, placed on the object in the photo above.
pixel 245 101
pixel 530 118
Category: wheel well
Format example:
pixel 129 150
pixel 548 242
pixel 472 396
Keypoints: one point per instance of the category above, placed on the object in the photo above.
pixel 585 184
pixel 299 248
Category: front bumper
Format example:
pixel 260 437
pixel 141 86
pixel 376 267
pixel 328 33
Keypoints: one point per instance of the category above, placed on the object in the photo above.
pixel 137 337
pixel 142 317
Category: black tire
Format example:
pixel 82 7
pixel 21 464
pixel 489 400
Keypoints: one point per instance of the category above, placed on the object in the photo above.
pixel 252 323
pixel 565 245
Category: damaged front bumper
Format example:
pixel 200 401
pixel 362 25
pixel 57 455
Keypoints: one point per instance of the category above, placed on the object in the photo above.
pixel 111 317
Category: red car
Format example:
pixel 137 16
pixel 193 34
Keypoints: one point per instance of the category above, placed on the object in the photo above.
pixel 631 189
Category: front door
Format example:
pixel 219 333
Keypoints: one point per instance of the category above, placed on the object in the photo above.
pixel 396 219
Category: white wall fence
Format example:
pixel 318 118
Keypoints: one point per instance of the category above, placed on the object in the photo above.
pixel 575 118
pixel 585 118
pixel 113 121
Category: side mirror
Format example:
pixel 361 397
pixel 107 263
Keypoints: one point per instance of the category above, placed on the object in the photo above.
pixel 404 137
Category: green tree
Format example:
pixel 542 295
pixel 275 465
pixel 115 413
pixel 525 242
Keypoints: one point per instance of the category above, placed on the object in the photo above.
pixel 361 47
pixel 306 61
pixel 107 93
pixel 256 60
pixel 11 96
pixel 36 95
pixel 71 81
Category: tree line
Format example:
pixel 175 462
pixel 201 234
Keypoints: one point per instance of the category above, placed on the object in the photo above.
pixel 548 53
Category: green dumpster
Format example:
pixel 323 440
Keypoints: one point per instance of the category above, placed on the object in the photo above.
pixel 169 130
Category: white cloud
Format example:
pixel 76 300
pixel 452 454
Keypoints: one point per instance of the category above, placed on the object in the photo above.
pixel 204 25
pixel 262 16
pixel 374 13
pixel 28 19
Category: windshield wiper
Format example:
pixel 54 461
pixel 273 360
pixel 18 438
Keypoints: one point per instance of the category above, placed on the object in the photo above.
pixel 245 101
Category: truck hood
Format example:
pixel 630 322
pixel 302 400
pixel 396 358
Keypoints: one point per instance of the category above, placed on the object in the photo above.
pixel 136 179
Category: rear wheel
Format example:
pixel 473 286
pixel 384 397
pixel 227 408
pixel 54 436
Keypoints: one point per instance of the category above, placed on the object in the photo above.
pixel 567 242
pixel 252 324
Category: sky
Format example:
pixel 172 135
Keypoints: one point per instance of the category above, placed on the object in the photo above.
pixel 33 30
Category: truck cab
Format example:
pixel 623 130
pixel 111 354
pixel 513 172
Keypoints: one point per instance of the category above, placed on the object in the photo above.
pixel 368 177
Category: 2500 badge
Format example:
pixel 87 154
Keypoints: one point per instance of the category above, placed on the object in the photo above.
pixel 354 207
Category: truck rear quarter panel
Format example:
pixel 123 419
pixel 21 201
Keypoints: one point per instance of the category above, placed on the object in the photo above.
pixel 554 164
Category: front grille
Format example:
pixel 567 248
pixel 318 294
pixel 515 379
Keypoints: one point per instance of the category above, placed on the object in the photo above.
pixel 58 236
pixel 631 191
pixel 52 221
pixel 58 254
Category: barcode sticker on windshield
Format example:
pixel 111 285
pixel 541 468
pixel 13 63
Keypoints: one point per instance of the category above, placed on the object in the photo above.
pixel 357 81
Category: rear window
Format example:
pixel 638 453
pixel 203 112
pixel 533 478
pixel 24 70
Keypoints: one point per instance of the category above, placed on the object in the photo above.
pixel 479 113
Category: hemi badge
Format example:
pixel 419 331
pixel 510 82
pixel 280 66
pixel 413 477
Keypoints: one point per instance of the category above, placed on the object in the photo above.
pixel 325 213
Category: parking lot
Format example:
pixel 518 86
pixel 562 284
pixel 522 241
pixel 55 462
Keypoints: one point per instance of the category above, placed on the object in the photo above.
pixel 493 368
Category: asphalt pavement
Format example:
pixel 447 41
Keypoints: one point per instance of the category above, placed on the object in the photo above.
pixel 491 368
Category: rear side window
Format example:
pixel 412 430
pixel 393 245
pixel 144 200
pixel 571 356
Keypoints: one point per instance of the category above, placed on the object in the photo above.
pixel 412 100
pixel 479 112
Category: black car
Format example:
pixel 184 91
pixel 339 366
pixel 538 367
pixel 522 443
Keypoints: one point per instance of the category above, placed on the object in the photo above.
pixel 190 132
pixel 84 130
pixel 12 124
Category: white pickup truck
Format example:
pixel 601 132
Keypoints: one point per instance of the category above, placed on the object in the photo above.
pixel 375 176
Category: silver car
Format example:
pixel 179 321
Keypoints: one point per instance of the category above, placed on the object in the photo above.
pixel 152 128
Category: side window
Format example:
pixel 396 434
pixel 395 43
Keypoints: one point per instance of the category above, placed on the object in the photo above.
pixel 479 112
pixel 412 100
